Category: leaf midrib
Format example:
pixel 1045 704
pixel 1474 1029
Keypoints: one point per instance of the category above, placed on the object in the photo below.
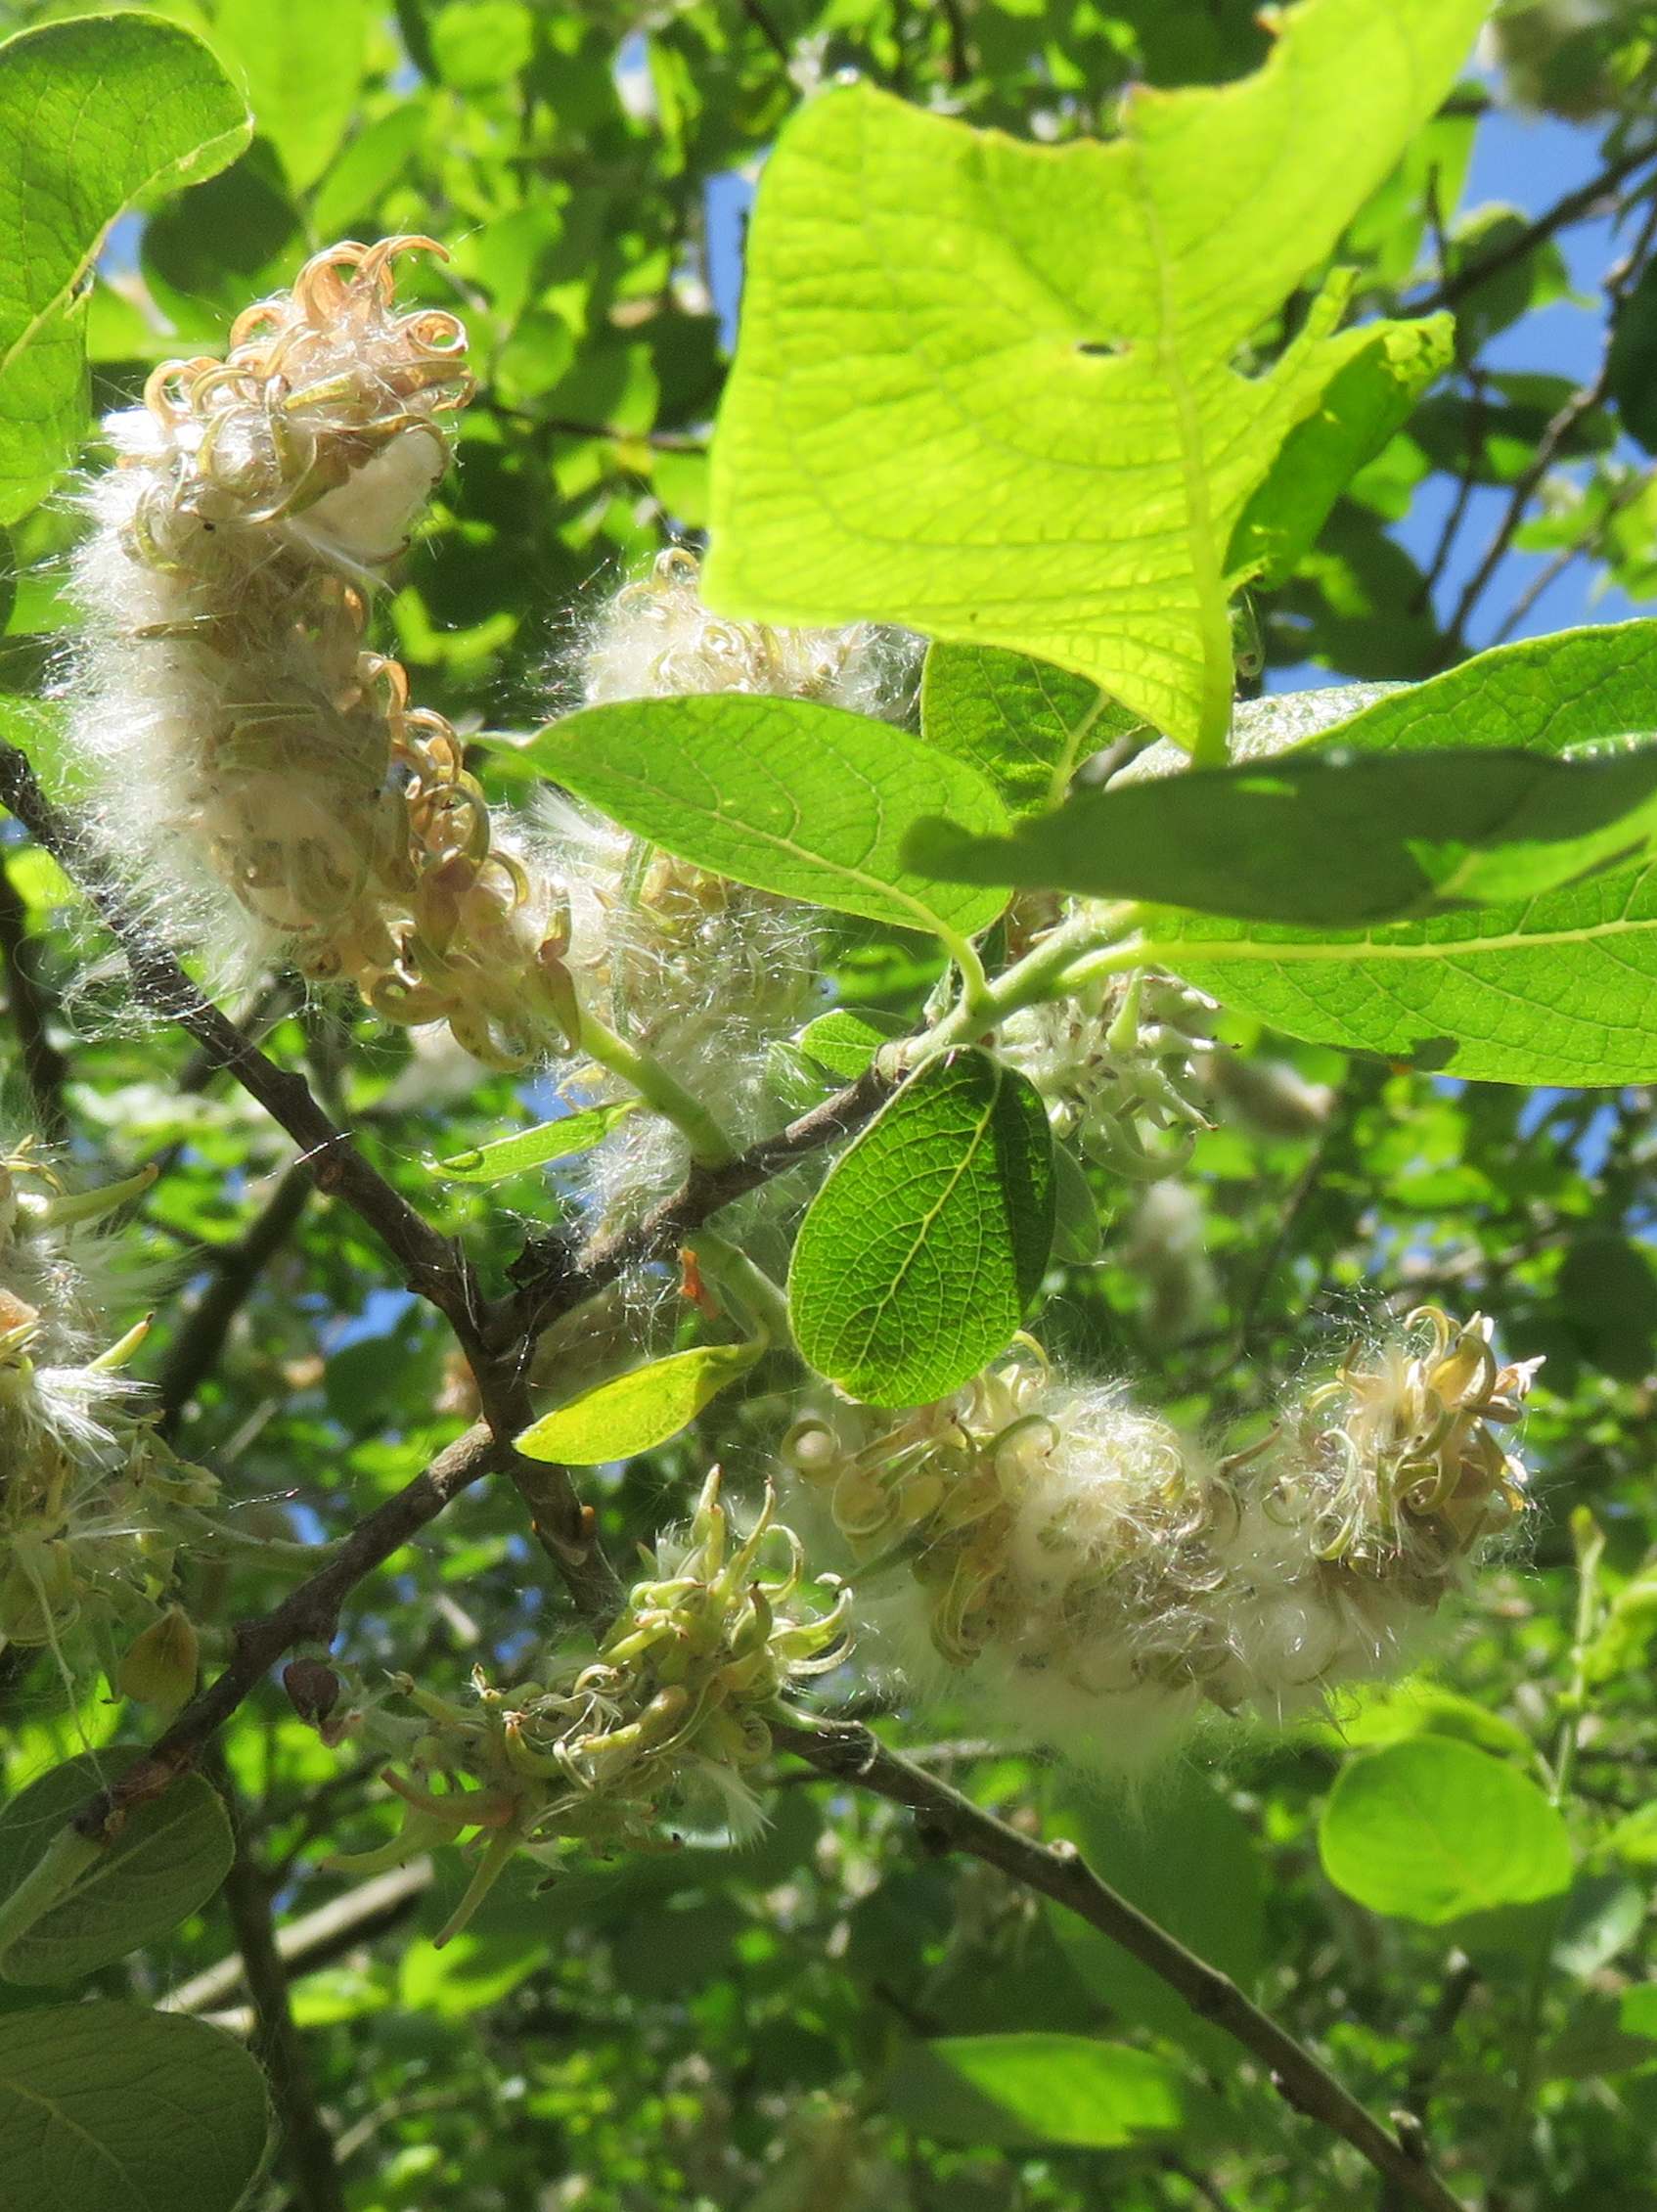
pixel 876 1312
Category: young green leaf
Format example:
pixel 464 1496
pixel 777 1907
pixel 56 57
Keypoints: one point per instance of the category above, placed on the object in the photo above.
pixel 917 1257
pixel 846 1041
pixel 111 2109
pixel 1430 1830
pixel 1361 407
pixel 640 1410
pixel 94 113
pixel 1055 329
pixel 805 800
pixel 1026 725
pixel 1560 988
pixel 302 61
pixel 170 1857
pixel 1328 838
pixel 1021 2089
pixel 547 1141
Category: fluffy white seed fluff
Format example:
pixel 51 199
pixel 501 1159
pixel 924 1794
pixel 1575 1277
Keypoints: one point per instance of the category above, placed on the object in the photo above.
pixel 1095 1576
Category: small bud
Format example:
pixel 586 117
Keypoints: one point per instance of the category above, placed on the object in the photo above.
pixel 313 1689
pixel 161 1664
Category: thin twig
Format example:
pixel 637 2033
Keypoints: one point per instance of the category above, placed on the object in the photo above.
pixel 550 1289
pixel 307 2146
pixel 1560 430
pixel 29 1004
pixel 430 1264
pixel 952 1822
pixel 1576 206
pixel 309 1614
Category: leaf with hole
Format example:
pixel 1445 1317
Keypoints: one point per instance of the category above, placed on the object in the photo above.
pixel 1056 331
pixel 918 1258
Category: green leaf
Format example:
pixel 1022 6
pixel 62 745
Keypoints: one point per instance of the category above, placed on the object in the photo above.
pixel 302 61
pixel 110 2109
pixel 638 1409
pixel 1327 839
pixel 533 1148
pixel 1630 362
pixel 1366 399
pixel 918 1258
pixel 94 113
pixel 1024 2089
pixel 1553 989
pixel 1430 1830
pixel 478 44
pixel 1024 725
pixel 808 802
pixel 1185 1856
pixel 1055 329
pixel 168 1858
pixel 845 1042
pixel 1639 2011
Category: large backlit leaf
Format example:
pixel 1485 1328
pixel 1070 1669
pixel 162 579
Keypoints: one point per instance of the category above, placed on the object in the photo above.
pixel 94 113
pixel 991 389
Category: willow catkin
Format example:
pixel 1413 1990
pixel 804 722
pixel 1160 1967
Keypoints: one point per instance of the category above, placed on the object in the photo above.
pixel 1096 1575
pixel 259 766
pixel 705 974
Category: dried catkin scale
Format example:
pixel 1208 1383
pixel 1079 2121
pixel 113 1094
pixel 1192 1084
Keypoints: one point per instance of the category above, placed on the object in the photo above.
pixel 1096 1575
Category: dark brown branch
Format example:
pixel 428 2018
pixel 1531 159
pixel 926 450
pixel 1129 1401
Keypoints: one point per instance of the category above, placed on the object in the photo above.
pixel 306 2149
pixel 430 1264
pixel 953 1823
pixel 565 1284
pixel 1575 410
pixel 29 1002
pixel 1578 206
pixel 237 1267
pixel 309 1614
